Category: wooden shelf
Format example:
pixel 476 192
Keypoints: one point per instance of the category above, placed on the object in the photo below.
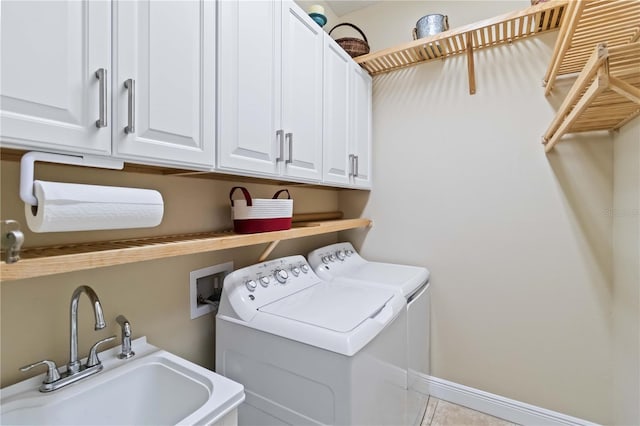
pixel 36 262
pixel 588 23
pixel 496 31
pixel 605 96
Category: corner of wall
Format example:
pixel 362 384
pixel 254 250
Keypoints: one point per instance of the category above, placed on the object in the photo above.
pixel 626 275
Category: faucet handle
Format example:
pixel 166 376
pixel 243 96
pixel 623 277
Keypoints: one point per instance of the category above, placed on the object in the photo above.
pixel 53 374
pixel 92 359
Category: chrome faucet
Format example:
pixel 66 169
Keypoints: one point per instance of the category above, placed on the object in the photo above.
pixel 125 326
pixel 75 371
pixel 73 366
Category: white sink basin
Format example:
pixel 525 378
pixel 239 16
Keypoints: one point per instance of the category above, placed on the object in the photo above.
pixel 155 387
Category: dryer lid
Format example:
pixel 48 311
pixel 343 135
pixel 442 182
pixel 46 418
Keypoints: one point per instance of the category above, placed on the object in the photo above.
pixel 407 278
pixel 339 307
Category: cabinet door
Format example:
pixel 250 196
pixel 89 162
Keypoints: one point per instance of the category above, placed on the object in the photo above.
pixel 302 93
pixel 361 126
pixel 50 96
pixel 166 51
pixel 249 86
pixel 337 112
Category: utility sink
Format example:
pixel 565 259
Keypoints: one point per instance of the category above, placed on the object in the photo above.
pixel 154 387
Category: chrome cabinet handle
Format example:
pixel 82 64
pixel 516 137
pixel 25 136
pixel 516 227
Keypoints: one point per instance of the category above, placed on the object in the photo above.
pixel 101 75
pixel 280 136
pixel 357 167
pixel 290 137
pixel 130 85
pixel 352 165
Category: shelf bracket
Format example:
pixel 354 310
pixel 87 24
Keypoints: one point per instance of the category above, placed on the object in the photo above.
pixel 600 84
pixel 625 89
pixel 563 42
pixel 592 67
pixel 267 251
pixel 470 64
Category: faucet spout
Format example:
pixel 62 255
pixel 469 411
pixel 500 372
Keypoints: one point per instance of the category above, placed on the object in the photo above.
pixel 73 366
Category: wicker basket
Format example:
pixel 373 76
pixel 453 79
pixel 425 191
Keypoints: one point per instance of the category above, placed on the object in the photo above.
pixel 353 46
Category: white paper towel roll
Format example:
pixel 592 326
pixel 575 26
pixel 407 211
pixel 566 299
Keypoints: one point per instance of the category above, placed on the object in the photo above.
pixel 77 207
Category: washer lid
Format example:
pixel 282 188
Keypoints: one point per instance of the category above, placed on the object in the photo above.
pixel 337 307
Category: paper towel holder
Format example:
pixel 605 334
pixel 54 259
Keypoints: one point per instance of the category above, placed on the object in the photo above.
pixel 27 168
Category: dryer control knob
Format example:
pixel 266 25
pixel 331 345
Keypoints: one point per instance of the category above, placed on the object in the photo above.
pixel 340 255
pixel 264 281
pixel 295 271
pixel 332 258
pixel 325 259
pixel 304 267
pixel 251 285
pixel 349 252
pixel 281 276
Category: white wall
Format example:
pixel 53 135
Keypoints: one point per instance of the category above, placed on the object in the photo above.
pixel 518 242
pixel 626 273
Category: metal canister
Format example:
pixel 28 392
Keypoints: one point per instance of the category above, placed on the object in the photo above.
pixel 430 25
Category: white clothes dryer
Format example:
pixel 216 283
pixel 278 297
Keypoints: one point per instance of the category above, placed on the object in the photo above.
pixel 310 351
pixel 341 261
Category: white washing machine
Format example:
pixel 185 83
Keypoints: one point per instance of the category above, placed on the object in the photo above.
pixel 310 351
pixel 341 261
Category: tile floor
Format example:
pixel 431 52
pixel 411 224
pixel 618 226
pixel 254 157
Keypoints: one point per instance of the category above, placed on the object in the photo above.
pixel 443 413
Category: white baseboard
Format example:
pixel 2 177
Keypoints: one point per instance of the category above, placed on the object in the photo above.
pixel 494 405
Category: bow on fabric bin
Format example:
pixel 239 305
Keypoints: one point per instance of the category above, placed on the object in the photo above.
pixel 253 215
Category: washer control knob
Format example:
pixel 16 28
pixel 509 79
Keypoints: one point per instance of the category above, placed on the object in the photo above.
pixel 281 276
pixel 251 285
pixel 304 267
pixel 264 281
pixel 325 259
pixel 332 258
pixel 340 255
pixel 295 271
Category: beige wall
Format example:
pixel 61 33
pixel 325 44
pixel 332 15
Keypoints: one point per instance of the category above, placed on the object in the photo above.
pixel 518 242
pixel 154 295
pixel 626 273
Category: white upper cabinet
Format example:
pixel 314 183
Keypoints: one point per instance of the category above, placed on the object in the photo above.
pixel 302 44
pixel 66 65
pixel 164 82
pixel 337 111
pixel 270 90
pixel 249 86
pixel 361 127
pixel 50 95
pixel 347 119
